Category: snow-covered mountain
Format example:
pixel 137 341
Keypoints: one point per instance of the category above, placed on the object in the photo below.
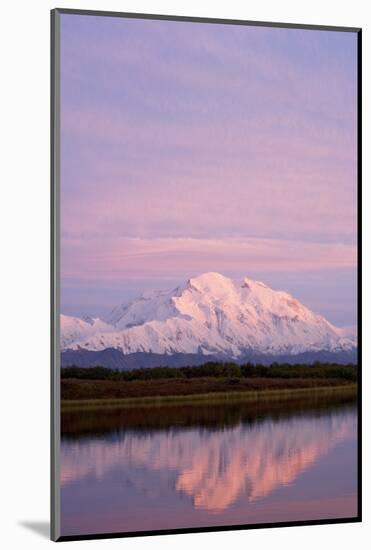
pixel 74 329
pixel 210 315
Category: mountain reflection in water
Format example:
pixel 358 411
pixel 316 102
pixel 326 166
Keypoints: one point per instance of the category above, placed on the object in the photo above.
pixel 214 468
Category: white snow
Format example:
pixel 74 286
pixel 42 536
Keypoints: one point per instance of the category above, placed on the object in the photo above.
pixel 210 314
pixel 74 329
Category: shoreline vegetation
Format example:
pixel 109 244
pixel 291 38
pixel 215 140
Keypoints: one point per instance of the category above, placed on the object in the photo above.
pixel 98 387
pixel 100 418
pixel 345 390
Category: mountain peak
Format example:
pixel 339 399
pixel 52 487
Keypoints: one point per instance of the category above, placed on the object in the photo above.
pixel 212 314
pixel 210 281
pixel 210 276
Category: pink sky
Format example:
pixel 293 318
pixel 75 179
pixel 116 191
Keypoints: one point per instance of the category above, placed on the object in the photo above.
pixel 190 148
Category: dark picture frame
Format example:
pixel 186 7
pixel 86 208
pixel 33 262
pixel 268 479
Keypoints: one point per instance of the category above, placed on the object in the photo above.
pixel 55 433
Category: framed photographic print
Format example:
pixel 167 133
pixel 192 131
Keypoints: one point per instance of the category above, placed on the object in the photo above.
pixel 206 261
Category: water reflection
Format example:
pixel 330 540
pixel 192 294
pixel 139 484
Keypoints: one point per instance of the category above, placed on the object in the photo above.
pixel 216 469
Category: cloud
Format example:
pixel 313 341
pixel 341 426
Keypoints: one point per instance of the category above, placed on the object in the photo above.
pixel 123 258
pixel 187 148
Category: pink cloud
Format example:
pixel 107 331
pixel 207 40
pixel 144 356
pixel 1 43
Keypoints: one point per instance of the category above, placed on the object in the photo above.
pixel 157 258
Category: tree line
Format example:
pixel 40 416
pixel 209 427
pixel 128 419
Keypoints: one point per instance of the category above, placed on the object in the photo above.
pixel 217 370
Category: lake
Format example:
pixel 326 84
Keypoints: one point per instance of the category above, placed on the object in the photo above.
pixel 176 467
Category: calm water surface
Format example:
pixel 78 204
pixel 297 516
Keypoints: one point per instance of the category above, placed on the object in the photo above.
pixel 198 466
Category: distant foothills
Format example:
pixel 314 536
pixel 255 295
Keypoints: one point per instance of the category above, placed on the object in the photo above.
pixel 208 318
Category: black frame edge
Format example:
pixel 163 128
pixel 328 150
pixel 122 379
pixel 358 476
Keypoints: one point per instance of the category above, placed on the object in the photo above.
pixel 214 529
pixel 359 263
pixel 197 19
pixel 54 278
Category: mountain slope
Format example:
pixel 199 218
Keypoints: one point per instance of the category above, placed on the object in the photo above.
pixel 74 329
pixel 210 315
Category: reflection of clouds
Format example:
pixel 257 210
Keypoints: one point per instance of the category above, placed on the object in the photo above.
pixel 215 467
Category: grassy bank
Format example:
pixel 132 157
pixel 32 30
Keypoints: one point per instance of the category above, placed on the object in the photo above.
pixel 121 389
pixel 98 394
pixel 95 419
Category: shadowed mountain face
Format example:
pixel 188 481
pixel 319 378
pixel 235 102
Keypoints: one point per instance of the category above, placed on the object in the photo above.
pixel 209 317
